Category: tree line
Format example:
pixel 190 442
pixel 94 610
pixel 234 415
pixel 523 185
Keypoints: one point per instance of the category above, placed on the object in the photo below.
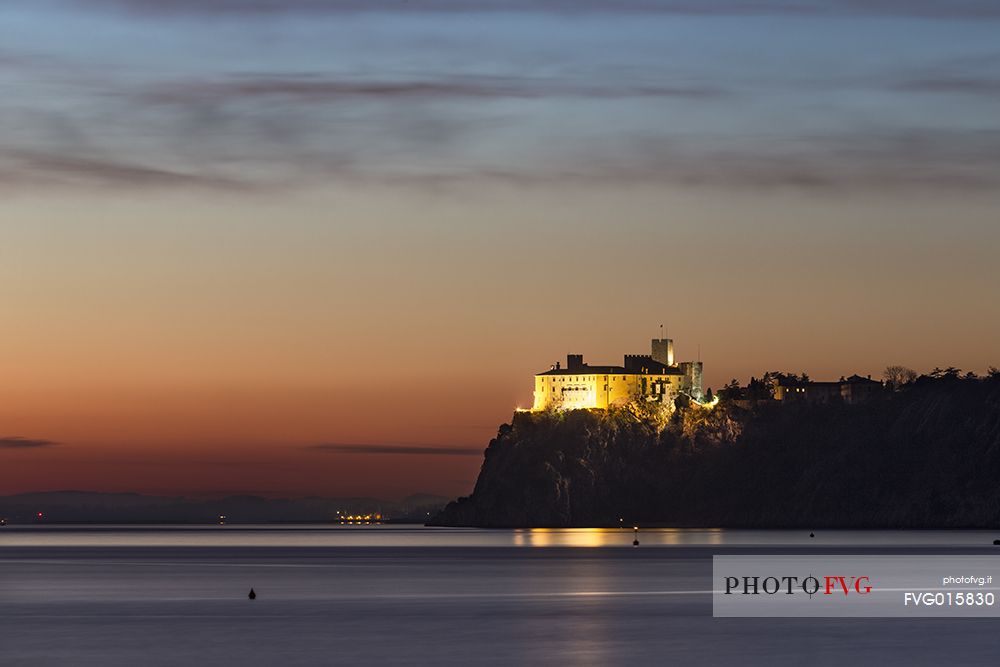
pixel 894 378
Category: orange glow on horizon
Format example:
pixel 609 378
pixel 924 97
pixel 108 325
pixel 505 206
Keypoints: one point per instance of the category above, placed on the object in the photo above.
pixel 201 351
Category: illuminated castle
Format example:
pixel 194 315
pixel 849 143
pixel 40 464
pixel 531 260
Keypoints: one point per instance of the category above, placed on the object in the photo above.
pixel 651 377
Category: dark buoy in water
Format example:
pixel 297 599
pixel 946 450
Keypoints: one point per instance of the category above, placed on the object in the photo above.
pixel 812 534
pixel 252 596
pixel 635 542
pixel 996 543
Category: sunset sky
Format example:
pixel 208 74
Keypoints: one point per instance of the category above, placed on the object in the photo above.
pixel 239 239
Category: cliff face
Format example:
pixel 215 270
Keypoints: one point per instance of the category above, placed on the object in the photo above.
pixel 924 458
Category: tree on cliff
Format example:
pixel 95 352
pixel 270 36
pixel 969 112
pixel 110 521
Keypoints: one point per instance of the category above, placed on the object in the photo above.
pixel 897 376
pixel 731 391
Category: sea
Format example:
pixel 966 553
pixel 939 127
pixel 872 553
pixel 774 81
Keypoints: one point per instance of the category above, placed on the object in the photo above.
pixel 413 595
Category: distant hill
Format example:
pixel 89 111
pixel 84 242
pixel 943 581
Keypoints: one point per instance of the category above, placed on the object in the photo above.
pixel 87 507
pixel 924 457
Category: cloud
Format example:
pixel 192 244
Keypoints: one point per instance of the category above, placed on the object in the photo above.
pixel 872 160
pixel 859 159
pixel 864 160
pixel 17 442
pixel 265 8
pixel 316 89
pixel 397 449
pixel 31 167
pixel 952 85
pixel 461 116
pixel 282 131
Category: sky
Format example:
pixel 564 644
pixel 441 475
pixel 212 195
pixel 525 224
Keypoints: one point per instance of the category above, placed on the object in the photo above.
pixel 320 247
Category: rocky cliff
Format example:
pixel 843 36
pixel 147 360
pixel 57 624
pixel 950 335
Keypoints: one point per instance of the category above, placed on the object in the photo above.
pixel 925 457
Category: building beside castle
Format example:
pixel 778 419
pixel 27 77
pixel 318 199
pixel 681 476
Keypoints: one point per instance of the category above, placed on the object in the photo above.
pixel 850 390
pixel 652 377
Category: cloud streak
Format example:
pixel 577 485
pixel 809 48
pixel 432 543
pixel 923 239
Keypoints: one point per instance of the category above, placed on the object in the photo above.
pixel 862 161
pixel 396 449
pixel 952 85
pixel 35 168
pixel 980 9
pixel 315 89
pixel 17 442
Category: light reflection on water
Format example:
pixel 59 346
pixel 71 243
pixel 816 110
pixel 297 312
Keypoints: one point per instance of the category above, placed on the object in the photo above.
pixel 420 536
pixel 614 537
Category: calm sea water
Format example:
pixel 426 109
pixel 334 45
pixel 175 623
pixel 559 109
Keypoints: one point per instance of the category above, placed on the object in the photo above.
pixel 412 595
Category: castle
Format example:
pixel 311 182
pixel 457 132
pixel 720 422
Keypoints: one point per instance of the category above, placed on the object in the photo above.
pixel 651 377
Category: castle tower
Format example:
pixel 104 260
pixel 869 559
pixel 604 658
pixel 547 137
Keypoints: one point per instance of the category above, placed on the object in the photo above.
pixel 663 351
pixel 692 378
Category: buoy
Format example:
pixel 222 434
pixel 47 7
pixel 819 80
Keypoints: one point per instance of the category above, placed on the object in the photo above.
pixel 635 542
pixel 252 596
pixel 812 534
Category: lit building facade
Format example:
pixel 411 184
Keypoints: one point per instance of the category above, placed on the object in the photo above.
pixel 652 377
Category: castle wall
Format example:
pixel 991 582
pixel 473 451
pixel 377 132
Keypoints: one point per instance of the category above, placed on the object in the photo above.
pixel 573 392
